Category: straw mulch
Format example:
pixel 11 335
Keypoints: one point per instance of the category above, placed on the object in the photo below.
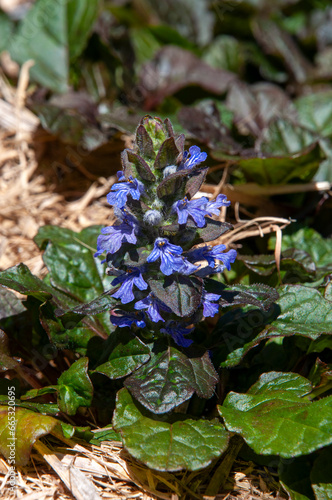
pixel 30 198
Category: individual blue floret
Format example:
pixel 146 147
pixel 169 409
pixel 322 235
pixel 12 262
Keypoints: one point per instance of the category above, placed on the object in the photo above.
pixel 193 158
pixel 212 207
pixel 128 319
pixel 168 254
pixel 210 309
pixel 132 277
pixel 211 253
pixel 112 237
pixel 121 190
pixel 152 306
pixel 178 332
pixel 196 209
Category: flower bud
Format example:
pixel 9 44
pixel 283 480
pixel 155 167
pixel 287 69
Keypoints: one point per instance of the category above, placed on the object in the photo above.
pixel 171 169
pixel 153 217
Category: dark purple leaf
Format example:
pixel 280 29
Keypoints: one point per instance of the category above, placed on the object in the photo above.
pixel 174 68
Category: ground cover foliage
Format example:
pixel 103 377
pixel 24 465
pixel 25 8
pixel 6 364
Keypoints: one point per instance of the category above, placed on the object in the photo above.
pixel 250 84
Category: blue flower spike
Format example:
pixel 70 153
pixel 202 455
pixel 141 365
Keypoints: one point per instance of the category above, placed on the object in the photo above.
pixel 153 260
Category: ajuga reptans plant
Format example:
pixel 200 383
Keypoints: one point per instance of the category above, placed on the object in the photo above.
pixel 154 249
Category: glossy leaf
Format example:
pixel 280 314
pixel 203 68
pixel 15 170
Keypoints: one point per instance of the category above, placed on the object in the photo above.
pixel 74 387
pixel 121 354
pixel 182 443
pixel 21 279
pixel 170 378
pixel 298 311
pixel 275 421
pixel 258 295
pixel 65 333
pixel 69 259
pixel 21 429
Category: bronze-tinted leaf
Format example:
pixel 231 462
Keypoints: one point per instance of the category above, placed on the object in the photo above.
pixel 141 166
pixel 167 154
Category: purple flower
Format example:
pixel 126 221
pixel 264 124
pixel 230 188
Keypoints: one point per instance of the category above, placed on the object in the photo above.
pixel 168 254
pixel 112 237
pixel 121 190
pixel 127 319
pixel 152 305
pixel 212 207
pixel 193 158
pixel 192 208
pixel 210 253
pixel 209 308
pixel 132 277
pixel 178 332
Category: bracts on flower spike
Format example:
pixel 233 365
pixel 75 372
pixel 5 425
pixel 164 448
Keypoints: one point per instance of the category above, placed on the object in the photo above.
pixel 160 283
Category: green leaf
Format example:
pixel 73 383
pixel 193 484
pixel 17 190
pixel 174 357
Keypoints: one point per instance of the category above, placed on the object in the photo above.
pixel 311 242
pixel 54 31
pixel 69 259
pixel 277 382
pixel 297 264
pixel 299 167
pixel 181 444
pixel 295 478
pixel 181 294
pixel 107 434
pixel 170 378
pixel 225 52
pixel 275 421
pixel 124 353
pixel 298 311
pixel 64 334
pixel 74 387
pixel 321 475
pixel 19 278
pixel 303 311
pixel 315 112
pixel 19 430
